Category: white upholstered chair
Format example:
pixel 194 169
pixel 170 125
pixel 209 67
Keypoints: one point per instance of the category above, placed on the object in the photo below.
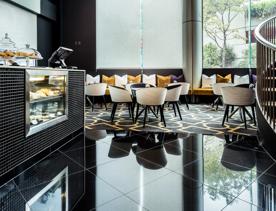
pixel 217 91
pixel 128 88
pixel 172 97
pixel 95 90
pixel 238 96
pixel 148 97
pixel 120 95
pixel 184 91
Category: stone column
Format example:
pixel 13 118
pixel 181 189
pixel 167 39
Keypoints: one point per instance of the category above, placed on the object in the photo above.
pixel 192 41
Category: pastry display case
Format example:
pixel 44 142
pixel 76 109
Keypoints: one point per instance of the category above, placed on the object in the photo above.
pixel 46 99
pixel 28 56
pixel 7 49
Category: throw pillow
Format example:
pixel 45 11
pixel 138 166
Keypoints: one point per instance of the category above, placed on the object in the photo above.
pixel 134 79
pixel 151 79
pixel 208 82
pixel 163 81
pixel 179 78
pixel 92 80
pixel 254 78
pixel 225 79
pixel 241 79
pixel 108 80
pixel 120 80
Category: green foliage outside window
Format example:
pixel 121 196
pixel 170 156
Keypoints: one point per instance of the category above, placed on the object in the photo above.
pixel 213 56
pixel 263 9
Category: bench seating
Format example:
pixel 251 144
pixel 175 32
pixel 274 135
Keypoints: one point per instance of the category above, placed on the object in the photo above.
pixel 202 91
pixel 177 72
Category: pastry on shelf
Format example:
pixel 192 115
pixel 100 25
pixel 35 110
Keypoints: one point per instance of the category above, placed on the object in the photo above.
pixel 34 96
pixel 28 52
pixel 7 48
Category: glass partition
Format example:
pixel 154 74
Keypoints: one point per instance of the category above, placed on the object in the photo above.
pixel 228 31
pixel 46 102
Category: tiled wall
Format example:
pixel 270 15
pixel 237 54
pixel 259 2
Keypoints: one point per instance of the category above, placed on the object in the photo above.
pixel 14 147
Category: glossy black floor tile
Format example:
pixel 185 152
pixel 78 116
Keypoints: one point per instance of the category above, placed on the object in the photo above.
pixel 241 205
pixel 175 192
pixel 128 173
pixel 128 170
pixel 121 204
pixel 261 192
pixel 11 198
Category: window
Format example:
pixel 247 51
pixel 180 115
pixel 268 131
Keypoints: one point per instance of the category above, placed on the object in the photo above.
pixel 139 34
pixel 228 31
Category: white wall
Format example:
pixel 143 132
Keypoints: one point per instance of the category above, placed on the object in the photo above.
pixel 119 34
pixel 33 5
pixel 20 24
pixel 163 33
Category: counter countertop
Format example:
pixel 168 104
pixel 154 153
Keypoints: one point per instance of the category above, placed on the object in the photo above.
pixel 37 68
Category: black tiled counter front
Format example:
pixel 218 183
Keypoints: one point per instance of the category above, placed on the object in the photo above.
pixel 15 146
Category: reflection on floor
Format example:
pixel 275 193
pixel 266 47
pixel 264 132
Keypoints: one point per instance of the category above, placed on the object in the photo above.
pixel 107 170
pixel 199 119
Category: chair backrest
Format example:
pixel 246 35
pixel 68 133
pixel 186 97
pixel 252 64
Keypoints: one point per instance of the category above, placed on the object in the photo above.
pixel 119 95
pixel 96 89
pixel 141 85
pixel 151 96
pixel 173 93
pixel 185 87
pixel 238 96
pixel 128 88
pixel 217 87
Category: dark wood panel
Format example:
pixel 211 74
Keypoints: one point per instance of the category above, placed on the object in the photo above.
pixel 78 31
pixel 47 38
pixel 110 72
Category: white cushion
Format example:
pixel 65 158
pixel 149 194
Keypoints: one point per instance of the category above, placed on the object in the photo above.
pixel 92 80
pixel 120 80
pixel 208 82
pixel 151 79
pixel 241 79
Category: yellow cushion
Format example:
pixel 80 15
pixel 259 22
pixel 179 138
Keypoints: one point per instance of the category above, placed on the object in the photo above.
pixel 134 79
pixel 226 79
pixel 163 81
pixel 203 91
pixel 108 80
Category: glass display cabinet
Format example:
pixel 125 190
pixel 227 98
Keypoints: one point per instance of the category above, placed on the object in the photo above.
pixel 46 99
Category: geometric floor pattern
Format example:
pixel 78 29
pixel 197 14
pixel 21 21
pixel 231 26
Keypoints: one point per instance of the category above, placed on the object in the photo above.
pixel 200 119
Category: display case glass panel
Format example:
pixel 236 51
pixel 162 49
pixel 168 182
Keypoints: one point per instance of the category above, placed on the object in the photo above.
pixel 46 103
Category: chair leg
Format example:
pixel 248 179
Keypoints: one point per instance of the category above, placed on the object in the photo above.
pixel 186 102
pixel 137 112
pixel 253 114
pixel 225 114
pixel 162 115
pixel 93 103
pixel 232 109
pixel 104 102
pixel 217 103
pixel 178 109
pixel 128 107
pixel 90 102
pixel 159 109
pixel 145 116
pixel 244 117
pixel 174 109
pixel 133 116
pixel 113 111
